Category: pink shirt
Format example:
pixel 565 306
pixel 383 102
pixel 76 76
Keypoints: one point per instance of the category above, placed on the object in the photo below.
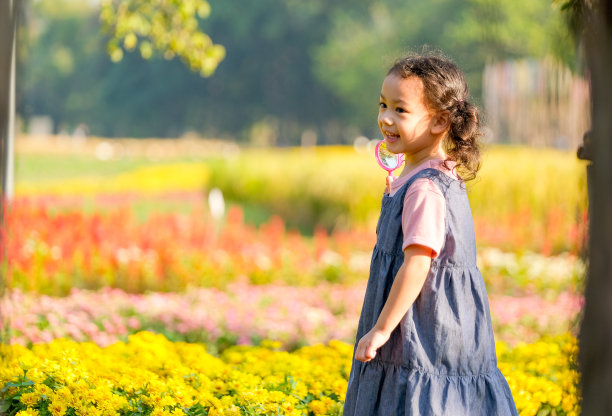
pixel 423 217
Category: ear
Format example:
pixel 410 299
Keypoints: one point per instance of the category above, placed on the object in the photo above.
pixel 440 122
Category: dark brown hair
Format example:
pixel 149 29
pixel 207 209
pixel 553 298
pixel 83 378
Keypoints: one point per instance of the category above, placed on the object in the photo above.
pixel 445 89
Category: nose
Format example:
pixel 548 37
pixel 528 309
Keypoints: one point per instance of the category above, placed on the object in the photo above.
pixel 384 118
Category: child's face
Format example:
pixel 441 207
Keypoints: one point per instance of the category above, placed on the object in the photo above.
pixel 404 119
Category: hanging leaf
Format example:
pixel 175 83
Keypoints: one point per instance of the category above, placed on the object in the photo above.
pixel 166 27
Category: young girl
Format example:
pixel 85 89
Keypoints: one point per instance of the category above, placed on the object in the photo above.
pixel 425 341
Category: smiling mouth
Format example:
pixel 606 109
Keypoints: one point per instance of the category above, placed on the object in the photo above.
pixel 391 137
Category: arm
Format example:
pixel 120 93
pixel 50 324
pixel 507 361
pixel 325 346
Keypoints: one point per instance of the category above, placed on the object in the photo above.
pixel 405 289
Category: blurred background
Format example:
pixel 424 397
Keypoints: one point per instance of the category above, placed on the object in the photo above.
pixel 205 171
pixel 296 72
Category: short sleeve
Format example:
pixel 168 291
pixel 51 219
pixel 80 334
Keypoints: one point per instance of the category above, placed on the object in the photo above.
pixel 423 216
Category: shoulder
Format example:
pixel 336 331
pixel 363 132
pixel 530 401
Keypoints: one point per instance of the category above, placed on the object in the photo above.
pixel 424 197
pixel 438 171
pixel 423 216
pixel 424 187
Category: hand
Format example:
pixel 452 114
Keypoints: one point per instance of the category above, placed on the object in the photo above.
pixel 369 343
pixel 390 179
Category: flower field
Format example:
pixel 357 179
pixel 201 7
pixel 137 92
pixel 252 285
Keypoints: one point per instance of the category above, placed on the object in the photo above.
pixel 125 295
pixel 51 252
pixel 246 314
pixel 149 375
pixel 534 199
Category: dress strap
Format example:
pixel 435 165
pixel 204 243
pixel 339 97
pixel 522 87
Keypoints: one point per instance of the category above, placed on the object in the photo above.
pixel 439 177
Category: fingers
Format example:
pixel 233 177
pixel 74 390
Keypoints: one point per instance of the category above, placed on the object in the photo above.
pixel 390 179
pixel 363 357
pixel 370 353
pixel 369 343
pixel 365 352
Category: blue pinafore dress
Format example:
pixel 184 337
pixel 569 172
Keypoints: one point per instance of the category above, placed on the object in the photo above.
pixel 440 360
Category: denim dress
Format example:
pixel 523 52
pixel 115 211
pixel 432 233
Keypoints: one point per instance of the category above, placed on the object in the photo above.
pixel 440 359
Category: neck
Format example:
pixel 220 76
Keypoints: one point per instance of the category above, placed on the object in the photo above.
pixel 414 160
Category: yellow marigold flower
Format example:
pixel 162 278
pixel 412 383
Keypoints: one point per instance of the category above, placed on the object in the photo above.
pixel 272 345
pixel 81 408
pixel 539 397
pixel 166 401
pixel 316 388
pixel 231 410
pixel 342 347
pixel 30 399
pixel 28 361
pixel 27 412
pixel 288 406
pixel 568 403
pixel 93 411
pixel 43 390
pixel 219 387
pixel 335 408
pixel 64 394
pixel 318 407
pixel 554 398
pixel 339 386
pixel 57 407
pixel 171 374
pixel 227 401
pixel 35 375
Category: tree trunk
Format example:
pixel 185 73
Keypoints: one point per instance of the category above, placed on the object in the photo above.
pixel 595 356
pixel 8 13
pixel 7 42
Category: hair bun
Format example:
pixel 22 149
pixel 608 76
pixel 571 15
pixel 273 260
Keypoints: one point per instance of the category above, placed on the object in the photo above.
pixel 461 105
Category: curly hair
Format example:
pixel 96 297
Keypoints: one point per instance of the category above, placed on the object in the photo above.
pixel 445 89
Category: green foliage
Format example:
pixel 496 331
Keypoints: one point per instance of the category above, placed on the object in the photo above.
pixel 62 8
pixel 265 76
pixel 170 27
pixel 289 65
pixel 578 13
pixel 56 68
pixel 362 46
pixel 71 79
pixel 490 30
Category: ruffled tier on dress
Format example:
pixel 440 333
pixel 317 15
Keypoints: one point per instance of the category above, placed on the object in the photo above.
pixel 413 392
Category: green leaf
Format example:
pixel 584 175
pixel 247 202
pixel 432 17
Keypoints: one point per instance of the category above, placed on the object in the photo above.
pixel 170 28
pixel 544 411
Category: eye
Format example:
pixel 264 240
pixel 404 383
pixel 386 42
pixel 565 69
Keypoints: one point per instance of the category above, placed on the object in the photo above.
pixel 382 105
pixel 400 110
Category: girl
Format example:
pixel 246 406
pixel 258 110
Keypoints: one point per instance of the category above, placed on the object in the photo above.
pixel 425 340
